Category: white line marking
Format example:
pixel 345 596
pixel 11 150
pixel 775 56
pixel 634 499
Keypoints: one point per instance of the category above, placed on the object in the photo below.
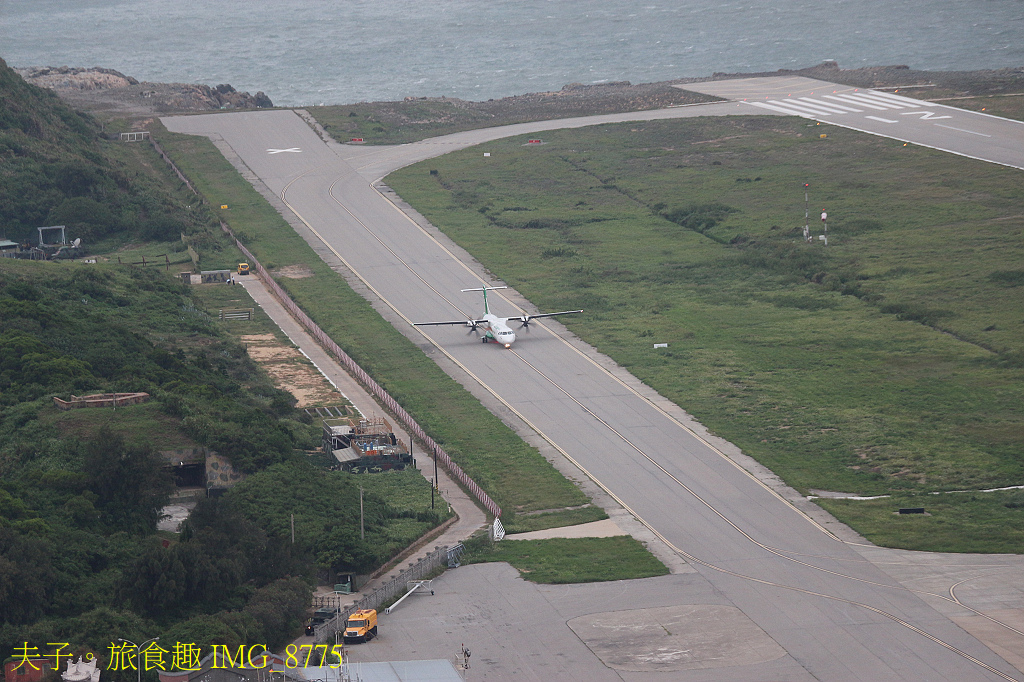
pixel 924 115
pixel 294 150
pixel 851 100
pixel 795 108
pixel 877 98
pixel 813 105
pixel 790 112
pixel 883 120
pixel 962 130
pixel 865 99
pixel 903 100
pixel 839 107
pixel 932 146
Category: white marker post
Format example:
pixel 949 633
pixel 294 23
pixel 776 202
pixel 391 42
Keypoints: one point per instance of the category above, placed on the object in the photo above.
pixel 807 214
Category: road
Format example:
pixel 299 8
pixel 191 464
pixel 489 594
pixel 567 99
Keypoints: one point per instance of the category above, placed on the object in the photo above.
pixel 836 615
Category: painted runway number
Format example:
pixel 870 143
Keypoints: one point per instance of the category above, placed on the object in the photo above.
pixel 925 115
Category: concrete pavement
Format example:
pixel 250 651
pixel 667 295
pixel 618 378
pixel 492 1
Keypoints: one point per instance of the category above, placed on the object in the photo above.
pixel 836 615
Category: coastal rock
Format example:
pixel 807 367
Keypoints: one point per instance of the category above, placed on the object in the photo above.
pixel 65 78
pixel 99 89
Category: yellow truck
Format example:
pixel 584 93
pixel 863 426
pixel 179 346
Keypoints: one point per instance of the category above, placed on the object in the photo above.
pixel 361 626
pixel 243 268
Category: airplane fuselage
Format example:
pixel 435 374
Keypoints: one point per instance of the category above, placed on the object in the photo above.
pixel 497 330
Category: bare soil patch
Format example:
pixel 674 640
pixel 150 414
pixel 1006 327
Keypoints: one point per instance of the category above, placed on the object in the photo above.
pixel 294 271
pixel 291 371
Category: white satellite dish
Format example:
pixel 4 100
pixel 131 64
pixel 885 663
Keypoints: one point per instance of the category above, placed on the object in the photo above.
pixel 77 242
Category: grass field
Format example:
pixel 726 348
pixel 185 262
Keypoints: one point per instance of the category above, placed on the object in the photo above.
pixel 572 560
pixel 955 522
pixel 513 473
pixel 889 361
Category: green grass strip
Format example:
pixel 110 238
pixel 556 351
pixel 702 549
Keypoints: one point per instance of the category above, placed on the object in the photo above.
pixel 573 560
pixel 954 522
pixel 515 474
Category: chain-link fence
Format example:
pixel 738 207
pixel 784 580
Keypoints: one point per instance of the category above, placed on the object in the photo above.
pixel 437 559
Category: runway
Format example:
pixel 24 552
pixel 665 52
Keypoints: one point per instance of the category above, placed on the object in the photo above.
pixel 836 615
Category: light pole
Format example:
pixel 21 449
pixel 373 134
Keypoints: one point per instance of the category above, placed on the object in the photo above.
pixel 138 654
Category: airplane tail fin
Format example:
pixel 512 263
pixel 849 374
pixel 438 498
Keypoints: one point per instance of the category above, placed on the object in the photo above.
pixel 485 289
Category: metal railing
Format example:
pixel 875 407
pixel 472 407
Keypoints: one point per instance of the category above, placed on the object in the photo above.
pixel 426 565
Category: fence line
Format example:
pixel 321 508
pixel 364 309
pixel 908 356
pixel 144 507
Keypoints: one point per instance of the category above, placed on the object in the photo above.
pixel 355 370
pixel 163 155
pixel 392 588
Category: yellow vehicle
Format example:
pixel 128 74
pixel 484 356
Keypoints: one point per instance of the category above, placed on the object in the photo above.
pixel 243 268
pixel 361 626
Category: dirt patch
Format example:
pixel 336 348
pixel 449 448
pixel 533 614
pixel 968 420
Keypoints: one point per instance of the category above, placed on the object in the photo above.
pixel 291 371
pixel 270 353
pixel 294 271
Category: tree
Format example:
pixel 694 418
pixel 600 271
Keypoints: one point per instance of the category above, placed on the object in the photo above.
pixel 132 487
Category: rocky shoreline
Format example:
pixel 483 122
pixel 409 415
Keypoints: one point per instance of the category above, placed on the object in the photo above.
pixel 99 90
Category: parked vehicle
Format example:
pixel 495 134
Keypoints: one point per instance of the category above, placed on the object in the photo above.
pixel 361 626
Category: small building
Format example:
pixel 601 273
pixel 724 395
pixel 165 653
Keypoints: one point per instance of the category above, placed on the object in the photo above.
pixel 201 467
pixel 31 670
pixel 362 445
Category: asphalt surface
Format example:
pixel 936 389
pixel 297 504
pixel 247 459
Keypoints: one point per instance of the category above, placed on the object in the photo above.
pixel 968 133
pixel 838 616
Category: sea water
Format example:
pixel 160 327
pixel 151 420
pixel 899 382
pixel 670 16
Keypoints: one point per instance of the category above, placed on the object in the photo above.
pixel 303 52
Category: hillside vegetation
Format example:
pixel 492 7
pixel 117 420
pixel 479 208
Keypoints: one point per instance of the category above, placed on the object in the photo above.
pixel 81 491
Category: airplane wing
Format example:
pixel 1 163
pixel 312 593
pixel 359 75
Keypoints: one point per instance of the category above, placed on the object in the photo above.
pixel 525 319
pixel 464 323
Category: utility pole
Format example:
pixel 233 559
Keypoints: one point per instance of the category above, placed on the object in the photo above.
pixel 293 529
pixel 362 527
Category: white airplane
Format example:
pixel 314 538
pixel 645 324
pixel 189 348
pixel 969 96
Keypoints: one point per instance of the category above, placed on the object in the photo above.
pixel 495 328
